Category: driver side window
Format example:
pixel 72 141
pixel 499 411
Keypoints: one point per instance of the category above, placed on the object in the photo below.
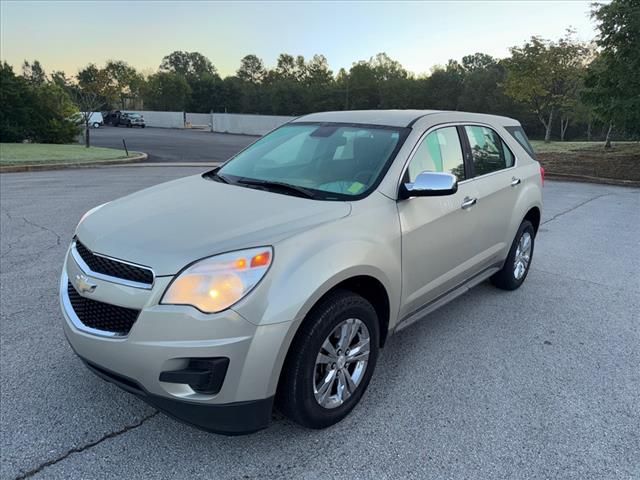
pixel 440 151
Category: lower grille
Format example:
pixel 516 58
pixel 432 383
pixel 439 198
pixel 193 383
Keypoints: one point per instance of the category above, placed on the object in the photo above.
pixel 102 316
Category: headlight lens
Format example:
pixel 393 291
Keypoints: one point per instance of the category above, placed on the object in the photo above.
pixel 214 284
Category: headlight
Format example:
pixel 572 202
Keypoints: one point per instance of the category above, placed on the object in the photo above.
pixel 214 284
pixel 89 212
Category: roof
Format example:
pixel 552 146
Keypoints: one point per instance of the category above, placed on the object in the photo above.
pixel 391 118
pixel 398 118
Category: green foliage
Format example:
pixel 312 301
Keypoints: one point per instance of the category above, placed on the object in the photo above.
pixel 33 73
pixel 166 91
pixel 612 85
pixel 251 70
pixel 543 83
pixel 546 75
pixel 188 64
pixel 34 111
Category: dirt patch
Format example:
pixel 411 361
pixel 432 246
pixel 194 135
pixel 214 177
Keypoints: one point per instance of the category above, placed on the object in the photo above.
pixel 619 163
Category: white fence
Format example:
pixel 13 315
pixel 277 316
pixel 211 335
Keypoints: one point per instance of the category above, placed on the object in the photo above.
pixel 162 119
pixel 222 122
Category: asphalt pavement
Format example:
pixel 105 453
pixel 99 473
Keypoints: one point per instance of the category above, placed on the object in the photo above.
pixel 540 383
pixel 172 145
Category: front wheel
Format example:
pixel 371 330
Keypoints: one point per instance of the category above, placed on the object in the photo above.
pixel 516 266
pixel 96 125
pixel 331 361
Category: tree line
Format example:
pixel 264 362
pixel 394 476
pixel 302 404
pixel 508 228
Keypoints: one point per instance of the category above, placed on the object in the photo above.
pixel 559 89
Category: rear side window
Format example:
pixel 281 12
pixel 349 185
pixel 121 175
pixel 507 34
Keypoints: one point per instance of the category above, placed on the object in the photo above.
pixel 488 152
pixel 521 138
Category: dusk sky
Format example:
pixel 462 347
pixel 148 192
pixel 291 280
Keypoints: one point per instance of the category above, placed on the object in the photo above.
pixel 67 35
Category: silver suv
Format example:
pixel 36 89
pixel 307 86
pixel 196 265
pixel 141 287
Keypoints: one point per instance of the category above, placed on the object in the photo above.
pixel 278 277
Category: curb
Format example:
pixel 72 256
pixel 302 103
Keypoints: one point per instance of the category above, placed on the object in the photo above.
pixel 588 179
pixel 141 157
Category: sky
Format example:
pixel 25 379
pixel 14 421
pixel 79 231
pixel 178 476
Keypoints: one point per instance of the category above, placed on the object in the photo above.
pixel 67 35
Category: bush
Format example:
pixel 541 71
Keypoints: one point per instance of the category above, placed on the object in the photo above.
pixel 37 113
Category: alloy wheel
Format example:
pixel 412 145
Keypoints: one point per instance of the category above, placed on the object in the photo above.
pixel 341 363
pixel 523 256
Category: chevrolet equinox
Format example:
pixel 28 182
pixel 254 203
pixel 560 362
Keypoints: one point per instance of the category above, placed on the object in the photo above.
pixel 278 277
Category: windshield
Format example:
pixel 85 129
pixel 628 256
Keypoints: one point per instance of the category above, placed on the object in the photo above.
pixel 133 115
pixel 334 161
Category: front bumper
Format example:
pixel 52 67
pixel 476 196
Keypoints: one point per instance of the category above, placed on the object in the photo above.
pixel 165 338
pixel 236 418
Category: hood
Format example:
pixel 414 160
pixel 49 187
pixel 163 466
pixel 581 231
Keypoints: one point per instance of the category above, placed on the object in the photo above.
pixel 170 225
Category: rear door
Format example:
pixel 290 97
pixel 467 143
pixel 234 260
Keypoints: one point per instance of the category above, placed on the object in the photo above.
pixel 437 232
pixel 495 177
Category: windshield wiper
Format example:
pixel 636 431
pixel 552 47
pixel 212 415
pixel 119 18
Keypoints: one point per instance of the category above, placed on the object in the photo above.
pixel 285 187
pixel 215 176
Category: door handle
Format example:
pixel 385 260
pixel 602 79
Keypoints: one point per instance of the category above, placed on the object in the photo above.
pixel 515 181
pixel 468 202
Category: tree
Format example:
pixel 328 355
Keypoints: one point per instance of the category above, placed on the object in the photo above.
pixel 545 75
pixel 39 112
pixel 16 100
pixel 188 64
pixel 478 61
pixel 362 87
pixel 124 82
pixel 34 73
pixel 207 93
pixel 51 118
pixel 88 101
pixel 251 69
pixel 613 80
pixel 60 78
pixel 166 92
pixel 442 89
pixel 321 90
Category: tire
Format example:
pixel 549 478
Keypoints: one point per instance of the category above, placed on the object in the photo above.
pixel 142 126
pixel 96 125
pixel 301 375
pixel 510 277
pixel 129 125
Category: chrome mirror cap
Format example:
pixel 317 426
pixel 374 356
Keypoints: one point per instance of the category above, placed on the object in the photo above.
pixel 430 184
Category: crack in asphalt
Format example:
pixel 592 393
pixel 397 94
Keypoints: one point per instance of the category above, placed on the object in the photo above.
pixel 10 245
pixel 557 215
pixel 83 448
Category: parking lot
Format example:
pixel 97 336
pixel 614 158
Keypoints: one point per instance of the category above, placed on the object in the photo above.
pixel 172 145
pixel 542 382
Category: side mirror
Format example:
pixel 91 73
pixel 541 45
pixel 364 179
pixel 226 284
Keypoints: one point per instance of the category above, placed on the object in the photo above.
pixel 430 184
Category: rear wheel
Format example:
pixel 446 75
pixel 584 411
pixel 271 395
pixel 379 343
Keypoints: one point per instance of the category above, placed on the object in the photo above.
pixel 516 266
pixel 330 362
pixel 96 125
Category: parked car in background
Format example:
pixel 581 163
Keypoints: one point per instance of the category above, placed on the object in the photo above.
pixel 279 276
pixel 128 120
pixel 96 120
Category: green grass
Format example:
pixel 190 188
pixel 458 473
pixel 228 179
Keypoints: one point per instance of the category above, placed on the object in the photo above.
pixel 565 147
pixel 12 154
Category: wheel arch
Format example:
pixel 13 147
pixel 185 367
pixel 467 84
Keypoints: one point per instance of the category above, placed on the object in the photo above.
pixel 533 215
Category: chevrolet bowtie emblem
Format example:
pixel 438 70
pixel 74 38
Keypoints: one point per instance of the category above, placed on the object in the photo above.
pixel 84 285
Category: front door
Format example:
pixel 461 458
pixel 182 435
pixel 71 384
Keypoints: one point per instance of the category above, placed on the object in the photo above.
pixel 438 244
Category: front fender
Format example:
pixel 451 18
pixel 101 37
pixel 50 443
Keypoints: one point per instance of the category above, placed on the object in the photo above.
pixel 291 290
